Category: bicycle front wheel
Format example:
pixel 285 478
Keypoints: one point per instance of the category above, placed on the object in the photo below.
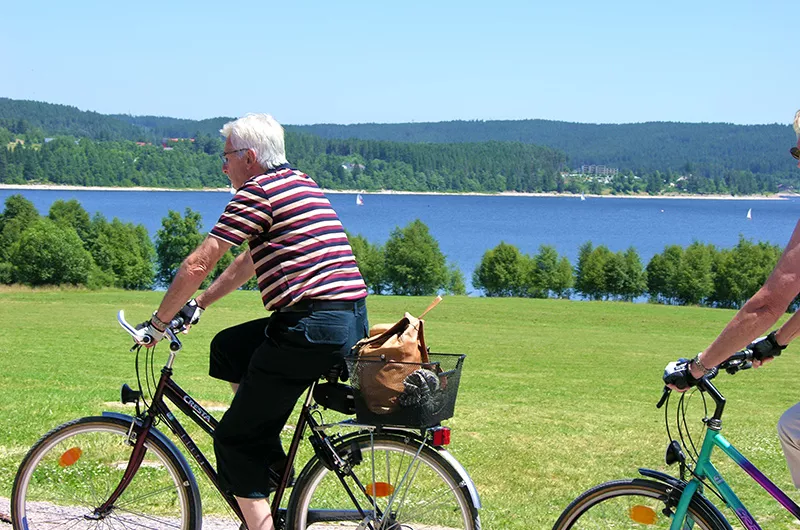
pixel 406 484
pixel 74 469
pixel 633 504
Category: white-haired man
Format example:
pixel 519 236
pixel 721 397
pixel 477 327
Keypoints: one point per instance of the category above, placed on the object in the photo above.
pixel 308 278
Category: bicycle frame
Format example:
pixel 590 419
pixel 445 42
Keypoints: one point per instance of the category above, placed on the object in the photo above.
pixel 704 469
pixel 167 388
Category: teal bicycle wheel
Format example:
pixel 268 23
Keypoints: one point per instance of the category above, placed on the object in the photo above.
pixel 634 504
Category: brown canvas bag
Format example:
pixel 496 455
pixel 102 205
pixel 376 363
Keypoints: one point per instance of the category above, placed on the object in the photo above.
pixel 381 376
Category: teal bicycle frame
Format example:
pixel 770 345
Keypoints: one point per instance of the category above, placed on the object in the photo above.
pixel 704 469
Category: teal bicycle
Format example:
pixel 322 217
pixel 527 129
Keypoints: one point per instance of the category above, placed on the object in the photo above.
pixel 662 501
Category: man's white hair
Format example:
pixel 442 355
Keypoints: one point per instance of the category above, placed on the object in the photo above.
pixel 797 124
pixel 260 132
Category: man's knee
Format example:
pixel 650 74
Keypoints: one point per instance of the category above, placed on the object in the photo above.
pixel 789 425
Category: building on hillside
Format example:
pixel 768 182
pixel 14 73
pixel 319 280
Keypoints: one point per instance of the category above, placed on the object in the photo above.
pixel 591 169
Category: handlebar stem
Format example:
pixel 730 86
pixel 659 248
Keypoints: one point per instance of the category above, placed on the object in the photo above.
pixel 715 422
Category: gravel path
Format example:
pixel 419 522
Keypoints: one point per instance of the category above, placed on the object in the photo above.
pixel 209 522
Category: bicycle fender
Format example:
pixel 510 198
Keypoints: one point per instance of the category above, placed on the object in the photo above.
pixel 679 485
pixel 450 459
pixel 172 448
pixel 462 473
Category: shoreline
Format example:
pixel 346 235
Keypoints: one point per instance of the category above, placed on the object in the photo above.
pixel 57 187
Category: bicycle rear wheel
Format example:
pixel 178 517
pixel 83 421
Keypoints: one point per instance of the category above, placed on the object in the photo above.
pixel 409 486
pixel 74 468
pixel 634 504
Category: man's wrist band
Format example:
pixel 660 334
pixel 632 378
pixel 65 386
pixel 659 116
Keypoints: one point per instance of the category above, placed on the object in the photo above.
pixel 774 341
pixel 159 324
pixel 696 361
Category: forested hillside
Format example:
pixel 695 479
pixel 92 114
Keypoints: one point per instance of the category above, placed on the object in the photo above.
pixel 711 148
pixel 457 156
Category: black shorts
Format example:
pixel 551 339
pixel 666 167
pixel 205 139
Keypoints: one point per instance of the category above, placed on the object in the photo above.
pixel 274 360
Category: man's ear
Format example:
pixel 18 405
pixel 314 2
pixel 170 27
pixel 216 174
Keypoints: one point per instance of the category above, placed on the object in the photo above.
pixel 250 157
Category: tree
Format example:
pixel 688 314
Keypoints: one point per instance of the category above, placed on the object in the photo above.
pixel 590 273
pixel 695 276
pixel 71 213
pixel 371 263
pixel 741 271
pixel 50 254
pixel 175 240
pixel 19 214
pixel 563 279
pixel 662 275
pixel 635 283
pixel 501 272
pixel 455 280
pixel 123 252
pixel 549 274
pixel 414 263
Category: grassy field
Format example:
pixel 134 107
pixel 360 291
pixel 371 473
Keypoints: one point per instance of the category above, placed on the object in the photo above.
pixel 556 395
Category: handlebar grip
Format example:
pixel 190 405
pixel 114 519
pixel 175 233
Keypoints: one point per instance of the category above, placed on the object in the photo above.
pixel 176 323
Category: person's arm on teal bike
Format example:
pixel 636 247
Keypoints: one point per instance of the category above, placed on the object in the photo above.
pixel 755 317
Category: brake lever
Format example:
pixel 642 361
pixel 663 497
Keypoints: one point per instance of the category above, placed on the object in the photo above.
pixel 664 396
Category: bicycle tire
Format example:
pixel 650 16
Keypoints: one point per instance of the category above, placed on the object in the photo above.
pixel 633 503
pixel 431 496
pixel 74 468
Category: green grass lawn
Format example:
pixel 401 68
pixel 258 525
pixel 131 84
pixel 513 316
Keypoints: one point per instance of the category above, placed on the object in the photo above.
pixel 556 396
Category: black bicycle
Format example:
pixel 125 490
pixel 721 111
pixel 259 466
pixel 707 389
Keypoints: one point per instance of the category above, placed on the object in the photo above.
pixel 121 471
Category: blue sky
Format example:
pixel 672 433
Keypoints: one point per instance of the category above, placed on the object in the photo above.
pixel 376 61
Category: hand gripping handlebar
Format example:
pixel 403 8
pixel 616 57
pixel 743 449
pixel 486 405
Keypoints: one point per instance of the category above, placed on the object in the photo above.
pixel 143 338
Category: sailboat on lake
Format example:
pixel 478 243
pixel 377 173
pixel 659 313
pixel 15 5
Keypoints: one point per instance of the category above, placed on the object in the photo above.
pixel 749 214
pixel 582 197
pixel 359 200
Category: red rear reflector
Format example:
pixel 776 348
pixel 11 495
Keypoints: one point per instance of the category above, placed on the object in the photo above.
pixel 441 436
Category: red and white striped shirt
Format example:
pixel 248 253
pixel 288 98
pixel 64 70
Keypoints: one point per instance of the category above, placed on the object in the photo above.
pixel 296 240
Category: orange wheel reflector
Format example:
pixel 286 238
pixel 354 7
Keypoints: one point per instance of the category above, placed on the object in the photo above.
pixel 70 456
pixel 642 514
pixel 380 489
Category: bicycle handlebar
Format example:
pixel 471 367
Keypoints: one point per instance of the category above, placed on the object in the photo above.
pixel 741 360
pixel 142 338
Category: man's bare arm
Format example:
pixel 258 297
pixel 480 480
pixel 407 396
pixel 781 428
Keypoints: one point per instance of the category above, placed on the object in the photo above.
pixel 233 277
pixel 762 310
pixel 194 269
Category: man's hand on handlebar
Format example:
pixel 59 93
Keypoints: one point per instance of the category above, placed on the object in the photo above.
pixel 678 376
pixel 190 313
pixel 765 349
pixel 151 331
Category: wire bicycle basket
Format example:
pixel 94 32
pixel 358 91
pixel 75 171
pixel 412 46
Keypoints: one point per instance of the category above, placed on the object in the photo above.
pixel 403 394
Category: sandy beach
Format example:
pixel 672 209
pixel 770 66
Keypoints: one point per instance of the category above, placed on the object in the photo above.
pixel 56 187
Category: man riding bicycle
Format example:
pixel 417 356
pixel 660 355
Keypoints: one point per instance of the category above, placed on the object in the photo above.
pixel 308 278
pixel 755 317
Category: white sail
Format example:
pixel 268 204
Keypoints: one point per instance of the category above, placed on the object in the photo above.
pixel 749 213
pixel 359 200
pixel 582 197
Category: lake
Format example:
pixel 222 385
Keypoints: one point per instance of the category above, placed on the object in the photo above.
pixel 466 226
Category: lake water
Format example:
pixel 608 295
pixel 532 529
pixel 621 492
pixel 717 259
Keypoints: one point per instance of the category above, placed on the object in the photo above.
pixel 468 226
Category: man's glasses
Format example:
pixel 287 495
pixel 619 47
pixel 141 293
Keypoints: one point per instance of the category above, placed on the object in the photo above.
pixel 224 155
pixel 795 152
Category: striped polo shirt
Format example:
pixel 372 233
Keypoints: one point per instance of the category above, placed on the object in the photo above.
pixel 296 240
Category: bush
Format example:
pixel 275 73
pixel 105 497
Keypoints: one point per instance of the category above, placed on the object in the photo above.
pixel 49 254
pixel 414 264
pixel 502 271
